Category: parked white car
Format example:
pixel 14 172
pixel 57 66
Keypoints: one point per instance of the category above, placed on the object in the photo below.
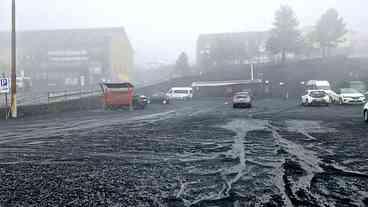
pixel 323 85
pixel 180 93
pixel 365 112
pixel 315 97
pixel 351 96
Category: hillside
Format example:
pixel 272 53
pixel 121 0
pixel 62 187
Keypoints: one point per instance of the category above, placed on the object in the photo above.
pixel 334 70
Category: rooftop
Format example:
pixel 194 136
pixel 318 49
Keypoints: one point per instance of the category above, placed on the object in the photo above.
pixel 225 83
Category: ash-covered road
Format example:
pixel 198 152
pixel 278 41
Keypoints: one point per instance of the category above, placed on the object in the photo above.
pixel 198 153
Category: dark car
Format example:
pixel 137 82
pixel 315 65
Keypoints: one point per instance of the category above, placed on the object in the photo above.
pixel 140 101
pixel 160 98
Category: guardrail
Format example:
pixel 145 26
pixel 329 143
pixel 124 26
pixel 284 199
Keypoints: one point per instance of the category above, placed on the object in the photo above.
pixel 30 104
pixel 32 98
pixel 62 96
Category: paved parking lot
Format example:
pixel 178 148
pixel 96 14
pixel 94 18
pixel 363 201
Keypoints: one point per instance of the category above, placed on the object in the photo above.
pixel 198 153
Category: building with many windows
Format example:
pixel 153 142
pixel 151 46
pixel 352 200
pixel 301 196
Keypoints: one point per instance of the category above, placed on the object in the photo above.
pixel 71 58
pixel 231 48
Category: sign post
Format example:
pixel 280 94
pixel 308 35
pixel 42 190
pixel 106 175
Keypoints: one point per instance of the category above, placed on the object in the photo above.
pixel 5 89
pixel 4 85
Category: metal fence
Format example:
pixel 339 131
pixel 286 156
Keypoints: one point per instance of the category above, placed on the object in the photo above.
pixel 34 98
pixel 62 96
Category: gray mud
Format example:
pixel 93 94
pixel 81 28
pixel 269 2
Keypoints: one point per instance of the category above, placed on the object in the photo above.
pixel 200 153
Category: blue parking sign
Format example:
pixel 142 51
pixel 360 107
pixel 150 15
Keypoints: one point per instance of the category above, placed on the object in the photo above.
pixel 4 85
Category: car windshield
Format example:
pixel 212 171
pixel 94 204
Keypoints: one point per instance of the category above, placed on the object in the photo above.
pixel 242 96
pixel 349 90
pixel 322 87
pixel 183 103
pixel 318 93
pixel 181 91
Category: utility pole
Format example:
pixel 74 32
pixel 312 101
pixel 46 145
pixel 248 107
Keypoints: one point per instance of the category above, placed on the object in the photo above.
pixel 13 106
pixel 252 71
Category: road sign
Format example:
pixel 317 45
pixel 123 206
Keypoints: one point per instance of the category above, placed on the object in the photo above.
pixel 4 85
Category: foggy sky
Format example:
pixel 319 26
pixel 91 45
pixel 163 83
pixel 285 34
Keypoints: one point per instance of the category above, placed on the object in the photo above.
pixel 161 29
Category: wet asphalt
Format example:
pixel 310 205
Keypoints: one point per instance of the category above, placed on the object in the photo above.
pixel 196 153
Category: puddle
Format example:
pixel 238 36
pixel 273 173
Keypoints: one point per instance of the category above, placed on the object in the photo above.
pixel 307 159
pixel 238 172
pixel 241 128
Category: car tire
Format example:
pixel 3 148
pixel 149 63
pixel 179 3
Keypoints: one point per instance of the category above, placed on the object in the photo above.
pixel 365 116
pixel 305 103
pixel 235 106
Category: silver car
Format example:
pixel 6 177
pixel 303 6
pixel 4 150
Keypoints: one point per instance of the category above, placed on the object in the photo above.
pixel 351 96
pixel 242 99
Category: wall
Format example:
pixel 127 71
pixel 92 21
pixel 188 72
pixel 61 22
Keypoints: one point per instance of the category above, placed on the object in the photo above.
pixel 121 55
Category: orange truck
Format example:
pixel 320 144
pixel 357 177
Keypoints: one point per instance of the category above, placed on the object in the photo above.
pixel 117 95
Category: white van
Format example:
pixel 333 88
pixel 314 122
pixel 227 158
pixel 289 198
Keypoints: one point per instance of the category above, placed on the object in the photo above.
pixel 318 85
pixel 180 93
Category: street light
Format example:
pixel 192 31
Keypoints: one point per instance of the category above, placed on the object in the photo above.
pixel 13 104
